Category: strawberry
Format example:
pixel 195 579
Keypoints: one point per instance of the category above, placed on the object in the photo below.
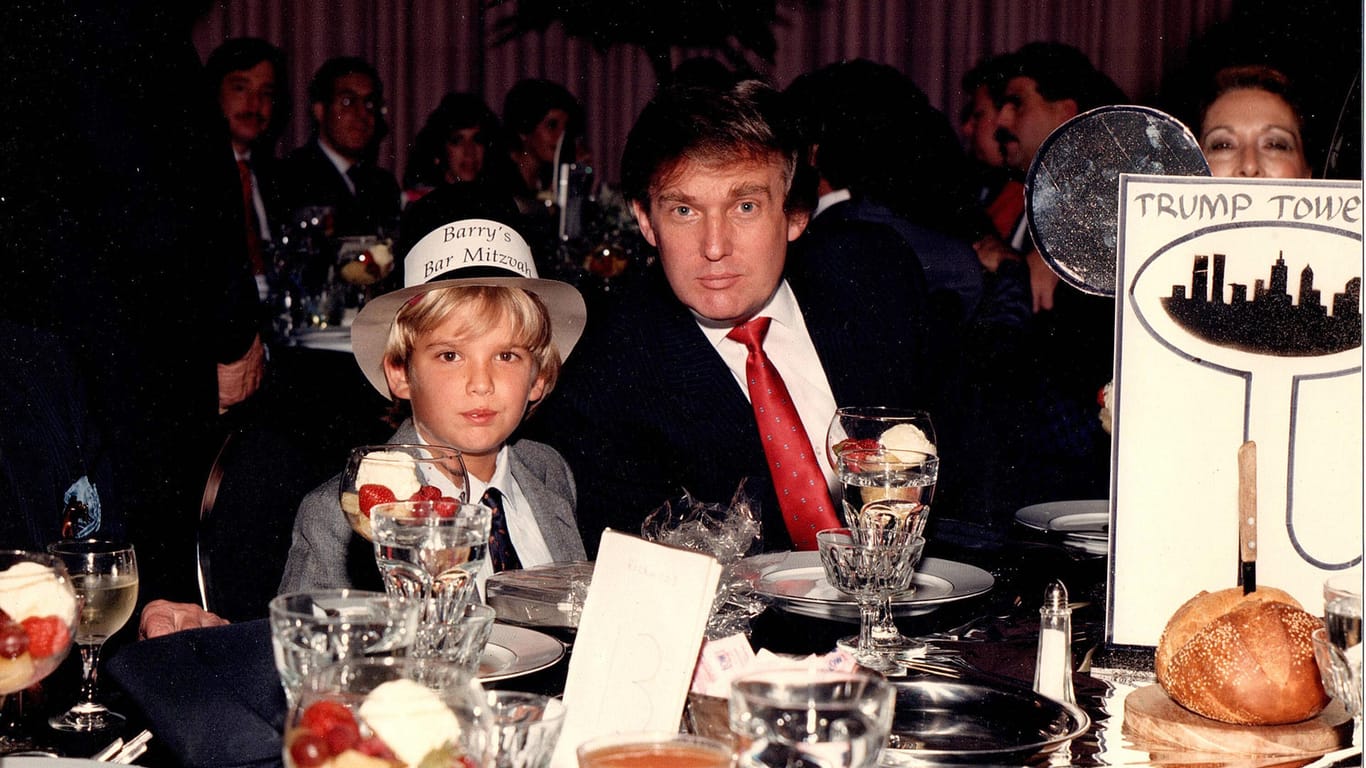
pixel 372 494
pixel 445 506
pixel 46 635
pixel 374 747
pixel 342 736
pixel 851 444
pixel 322 716
pixel 426 493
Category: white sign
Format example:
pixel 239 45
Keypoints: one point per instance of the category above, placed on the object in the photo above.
pixel 1239 318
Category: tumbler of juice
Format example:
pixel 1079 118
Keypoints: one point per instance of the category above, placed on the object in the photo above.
pixel 654 750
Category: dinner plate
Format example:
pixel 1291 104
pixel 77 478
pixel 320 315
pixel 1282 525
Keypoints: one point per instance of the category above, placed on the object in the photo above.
pixel 516 651
pixel 1082 525
pixel 38 761
pixel 976 721
pixel 796 582
pixel 334 338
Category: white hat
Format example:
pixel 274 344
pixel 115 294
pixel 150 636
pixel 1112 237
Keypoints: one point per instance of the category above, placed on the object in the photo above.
pixel 464 253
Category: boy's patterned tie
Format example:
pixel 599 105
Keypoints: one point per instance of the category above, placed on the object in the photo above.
pixel 797 477
pixel 501 552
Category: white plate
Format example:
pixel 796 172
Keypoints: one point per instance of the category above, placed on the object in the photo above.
pixel 36 761
pixel 1083 525
pixel 516 651
pixel 796 582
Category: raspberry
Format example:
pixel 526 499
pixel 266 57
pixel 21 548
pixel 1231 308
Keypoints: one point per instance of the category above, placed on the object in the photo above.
pixel 426 493
pixel 46 635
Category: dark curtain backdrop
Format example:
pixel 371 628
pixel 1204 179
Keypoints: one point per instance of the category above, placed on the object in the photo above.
pixel 424 48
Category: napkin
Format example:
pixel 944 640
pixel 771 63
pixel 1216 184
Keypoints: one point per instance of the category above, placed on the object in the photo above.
pixel 637 643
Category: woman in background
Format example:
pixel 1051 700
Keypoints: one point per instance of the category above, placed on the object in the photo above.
pixel 1252 125
pixel 453 146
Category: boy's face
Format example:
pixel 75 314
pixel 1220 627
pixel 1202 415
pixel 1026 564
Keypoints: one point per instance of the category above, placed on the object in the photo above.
pixel 468 391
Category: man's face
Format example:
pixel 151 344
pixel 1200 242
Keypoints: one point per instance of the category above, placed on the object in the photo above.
pixel 722 234
pixel 1026 119
pixel 469 388
pixel 979 129
pixel 247 98
pixel 347 123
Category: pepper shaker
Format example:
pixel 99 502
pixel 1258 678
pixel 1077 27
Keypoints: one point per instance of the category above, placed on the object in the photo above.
pixel 1053 664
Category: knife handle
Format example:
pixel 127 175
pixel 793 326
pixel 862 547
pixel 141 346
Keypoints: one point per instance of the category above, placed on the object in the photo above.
pixel 1247 502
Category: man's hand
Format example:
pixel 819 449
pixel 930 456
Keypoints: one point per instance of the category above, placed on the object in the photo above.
pixel 162 617
pixel 991 251
pixel 1043 281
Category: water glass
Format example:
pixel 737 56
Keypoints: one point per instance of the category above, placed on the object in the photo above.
pixel 871 565
pixel 783 718
pixel 312 629
pixel 654 750
pixel 392 711
pixel 461 639
pixel 1337 646
pixel 524 728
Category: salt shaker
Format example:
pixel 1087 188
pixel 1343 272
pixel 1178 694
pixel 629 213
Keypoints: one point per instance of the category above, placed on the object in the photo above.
pixel 1053 665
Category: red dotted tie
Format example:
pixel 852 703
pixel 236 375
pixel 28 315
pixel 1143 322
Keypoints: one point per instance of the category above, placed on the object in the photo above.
pixel 797 477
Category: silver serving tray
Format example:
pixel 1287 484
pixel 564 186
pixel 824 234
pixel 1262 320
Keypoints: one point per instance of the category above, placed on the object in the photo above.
pixel 966 720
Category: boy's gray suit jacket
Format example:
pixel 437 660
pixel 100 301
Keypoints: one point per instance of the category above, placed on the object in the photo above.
pixel 322 538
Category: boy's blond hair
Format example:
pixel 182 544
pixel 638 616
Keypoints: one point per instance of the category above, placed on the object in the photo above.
pixel 485 304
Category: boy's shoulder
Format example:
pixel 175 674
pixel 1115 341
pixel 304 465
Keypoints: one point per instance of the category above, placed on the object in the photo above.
pixel 532 453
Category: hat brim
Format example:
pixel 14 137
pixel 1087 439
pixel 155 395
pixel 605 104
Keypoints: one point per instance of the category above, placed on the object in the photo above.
pixel 370 330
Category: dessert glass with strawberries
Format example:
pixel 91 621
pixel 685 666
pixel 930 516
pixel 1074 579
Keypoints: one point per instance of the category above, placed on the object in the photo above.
pixel 37 621
pixel 379 474
pixel 388 713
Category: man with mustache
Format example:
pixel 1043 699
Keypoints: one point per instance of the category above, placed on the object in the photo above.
pixel 244 72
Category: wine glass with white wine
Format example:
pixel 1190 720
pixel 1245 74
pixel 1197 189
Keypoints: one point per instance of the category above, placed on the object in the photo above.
pixel 105 577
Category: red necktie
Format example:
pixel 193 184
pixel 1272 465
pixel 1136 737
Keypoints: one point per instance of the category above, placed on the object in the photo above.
pixel 258 264
pixel 1006 208
pixel 797 477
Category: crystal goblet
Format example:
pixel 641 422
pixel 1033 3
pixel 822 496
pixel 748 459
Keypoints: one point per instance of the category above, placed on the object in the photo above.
pixel 870 565
pixel 38 614
pixel 785 718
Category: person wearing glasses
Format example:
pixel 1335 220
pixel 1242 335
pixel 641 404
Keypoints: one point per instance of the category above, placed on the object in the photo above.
pixel 336 168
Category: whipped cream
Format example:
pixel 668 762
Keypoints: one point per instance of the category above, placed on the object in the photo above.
pixel 907 437
pixel 33 589
pixel 394 470
pixel 410 718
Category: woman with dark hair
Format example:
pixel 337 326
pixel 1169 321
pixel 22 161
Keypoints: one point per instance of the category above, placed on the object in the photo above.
pixel 1252 125
pixel 452 146
pixel 538 114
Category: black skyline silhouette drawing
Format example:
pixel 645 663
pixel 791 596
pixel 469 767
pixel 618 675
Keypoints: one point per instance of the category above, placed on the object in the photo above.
pixel 1269 323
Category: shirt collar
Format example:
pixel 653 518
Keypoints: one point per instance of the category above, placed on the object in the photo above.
pixel 343 165
pixel 828 199
pixel 781 306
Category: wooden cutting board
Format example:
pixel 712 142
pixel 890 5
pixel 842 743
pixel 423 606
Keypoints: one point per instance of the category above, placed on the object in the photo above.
pixel 1151 718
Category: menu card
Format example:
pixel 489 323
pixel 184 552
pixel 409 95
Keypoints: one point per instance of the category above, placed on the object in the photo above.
pixel 1239 318
pixel 637 641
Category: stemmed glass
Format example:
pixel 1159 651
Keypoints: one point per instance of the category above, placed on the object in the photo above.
pixel 888 466
pixel 37 620
pixel 1337 644
pixel 431 551
pixel 377 474
pixel 105 577
pixel 871 564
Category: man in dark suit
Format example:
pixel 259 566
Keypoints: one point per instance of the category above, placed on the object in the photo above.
pixel 244 73
pixel 654 403
pixel 336 168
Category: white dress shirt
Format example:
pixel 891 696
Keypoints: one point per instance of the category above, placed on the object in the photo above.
pixel 789 346
pixel 342 164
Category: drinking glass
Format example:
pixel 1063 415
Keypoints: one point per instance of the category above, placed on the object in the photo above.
pixel 461 640
pixel 524 728
pixel 787 718
pixel 871 565
pixel 430 551
pixel 105 577
pixel 312 629
pixel 39 609
pixel 1337 645
pixel 414 712
pixel 654 750
pixel 376 474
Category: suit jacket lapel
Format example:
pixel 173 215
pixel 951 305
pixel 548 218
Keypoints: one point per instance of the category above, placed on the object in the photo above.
pixel 553 513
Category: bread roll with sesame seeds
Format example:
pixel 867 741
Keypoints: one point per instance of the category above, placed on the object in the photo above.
pixel 1242 659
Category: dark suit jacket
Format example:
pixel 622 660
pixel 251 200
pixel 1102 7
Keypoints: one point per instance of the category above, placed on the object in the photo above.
pixel 305 177
pixel 646 409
